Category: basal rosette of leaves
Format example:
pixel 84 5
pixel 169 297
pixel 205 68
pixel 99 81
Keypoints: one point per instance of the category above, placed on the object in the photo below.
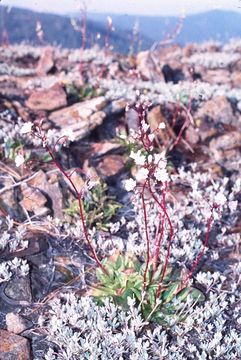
pixel 125 280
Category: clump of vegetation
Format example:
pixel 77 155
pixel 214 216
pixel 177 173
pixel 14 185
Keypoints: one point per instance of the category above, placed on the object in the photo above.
pixel 125 280
pixel 78 94
pixel 98 207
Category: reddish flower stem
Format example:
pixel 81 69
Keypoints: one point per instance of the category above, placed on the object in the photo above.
pixel 158 245
pixel 147 235
pixel 163 207
pixel 78 194
pixel 207 234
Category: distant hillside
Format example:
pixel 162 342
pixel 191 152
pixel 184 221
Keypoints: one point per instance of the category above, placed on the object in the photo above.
pixel 21 25
pixel 217 25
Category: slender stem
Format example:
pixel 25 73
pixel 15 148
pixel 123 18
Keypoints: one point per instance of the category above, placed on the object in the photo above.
pixel 207 234
pixel 147 234
pixel 78 194
pixel 163 207
pixel 158 245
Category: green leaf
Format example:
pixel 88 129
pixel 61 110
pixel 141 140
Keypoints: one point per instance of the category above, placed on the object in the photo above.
pixel 170 293
pixel 46 157
pixel 197 294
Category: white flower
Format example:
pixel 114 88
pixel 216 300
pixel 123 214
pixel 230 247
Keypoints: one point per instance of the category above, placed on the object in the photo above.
pixel 142 174
pixel 19 160
pixel 233 205
pixel 161 175
pixel 138 158
pixel 220 199
pixel 149 159
pixel 114 227
pixel 151 137
pixel 160 160
pixel 144 126
pixel 92 183
pixel 130 184
pixel 70 134
pixel 26 128
pixel 162 126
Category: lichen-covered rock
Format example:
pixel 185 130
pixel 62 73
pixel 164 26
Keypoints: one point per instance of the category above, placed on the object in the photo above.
pixel 80 118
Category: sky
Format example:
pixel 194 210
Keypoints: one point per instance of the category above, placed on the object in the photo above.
pixel 140 7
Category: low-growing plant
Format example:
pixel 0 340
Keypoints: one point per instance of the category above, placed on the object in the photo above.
pixel 99 207
pixel 125 280
pixel 11 148
pixel 160 290
pixel 85 92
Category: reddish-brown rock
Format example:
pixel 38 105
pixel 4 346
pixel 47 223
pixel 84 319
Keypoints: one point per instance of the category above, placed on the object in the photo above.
pixel 147 67
pixel 225 146
pixel 217 76
pixel 46 61
pixel 33 200
pixel 80 118
pixel 218 110
pixel 48 185
pixel 110 165
pixel 13 347
pixel 47 99
pixel 15 323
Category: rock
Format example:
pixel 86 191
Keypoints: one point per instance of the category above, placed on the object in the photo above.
pixel 132 120
pixel 236 79
pixel 225 146
pixel 110 165
pixel 76 178
pixel 15 323
pixel 172 75
pixel 155 117
pixel 47 99
pixel 189 50
pixel 18 289
pixel 118 106
pixel 99 149
pixel 46 61
pixel 217 76
pixel 80 118
pixel 33 200
pixel 192 135
pixel 146 66
pixel 48 184
pixel 218 109
pixel 13 347
pixel 22 112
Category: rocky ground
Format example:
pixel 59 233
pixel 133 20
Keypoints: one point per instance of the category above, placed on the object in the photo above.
pixel 196 92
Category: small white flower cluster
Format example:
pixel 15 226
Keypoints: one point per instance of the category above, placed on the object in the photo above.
pixel 15 266
pixel 149 165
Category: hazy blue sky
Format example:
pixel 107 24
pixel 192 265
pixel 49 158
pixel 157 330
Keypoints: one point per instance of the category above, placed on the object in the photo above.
pixel 154 7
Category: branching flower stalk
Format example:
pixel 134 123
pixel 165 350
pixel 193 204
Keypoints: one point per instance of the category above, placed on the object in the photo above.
pixel 78 193
pixel 207 235
pixel 153 180
pixel 163 207
pixel 82 29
